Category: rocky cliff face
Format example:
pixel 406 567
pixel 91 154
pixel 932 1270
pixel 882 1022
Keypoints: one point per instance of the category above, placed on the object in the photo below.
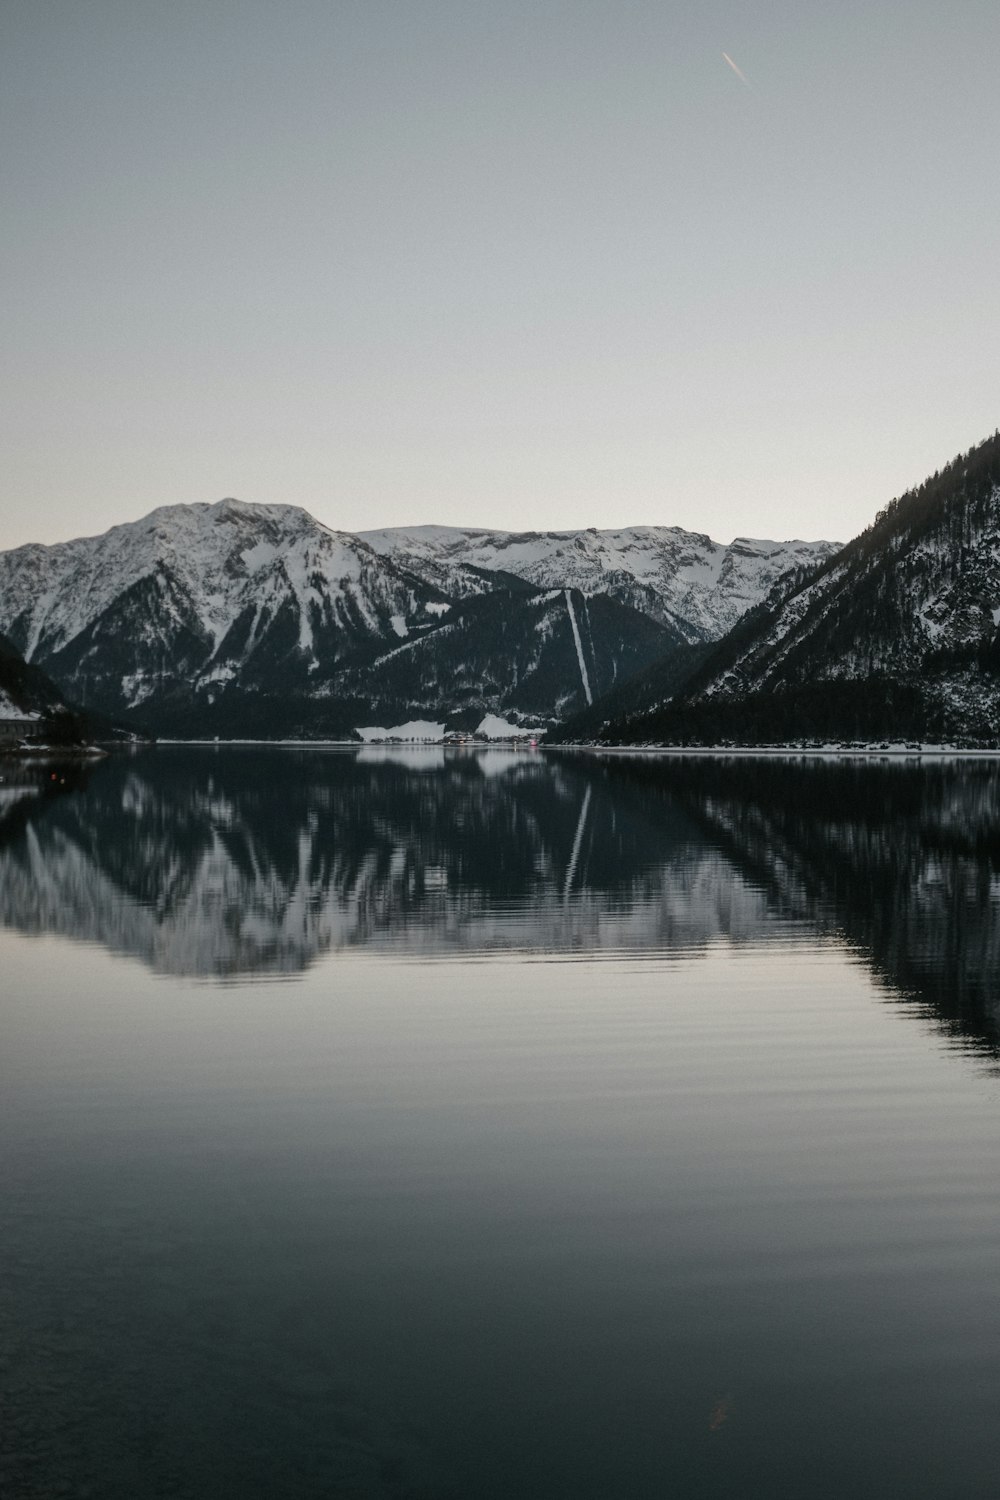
pixel 683 579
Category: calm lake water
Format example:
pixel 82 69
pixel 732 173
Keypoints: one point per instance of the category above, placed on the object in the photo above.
pixel 458 1125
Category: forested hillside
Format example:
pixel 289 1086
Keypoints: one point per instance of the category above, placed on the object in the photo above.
pixel 895 635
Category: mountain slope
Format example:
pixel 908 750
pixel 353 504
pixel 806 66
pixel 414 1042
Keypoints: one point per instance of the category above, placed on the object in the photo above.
pixel 26 693
pixel 257 621
pixel 652 684
pixel 199 595
pixel 897 634
pixel 33 709
pixel 683 579
pixel 528 655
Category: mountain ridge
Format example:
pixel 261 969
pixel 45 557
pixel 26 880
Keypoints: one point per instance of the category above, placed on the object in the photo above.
pixel 682 578
pixel 229 617
pixel 897 633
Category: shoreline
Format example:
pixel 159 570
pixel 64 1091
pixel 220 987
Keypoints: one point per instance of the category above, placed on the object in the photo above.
pixel 897 751
pixel 828 752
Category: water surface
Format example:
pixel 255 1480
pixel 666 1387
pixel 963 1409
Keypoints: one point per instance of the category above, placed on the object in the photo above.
pixel 389 1124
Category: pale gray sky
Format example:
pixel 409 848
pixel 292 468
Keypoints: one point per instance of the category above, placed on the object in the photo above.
pixel 519 264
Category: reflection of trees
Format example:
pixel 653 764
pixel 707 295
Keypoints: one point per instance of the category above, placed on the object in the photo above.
pixel 29 785
pixel 259 860
pixel 903 860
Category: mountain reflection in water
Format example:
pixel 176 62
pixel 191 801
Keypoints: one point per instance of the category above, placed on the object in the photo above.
pixel 250 861
pixel 706 1207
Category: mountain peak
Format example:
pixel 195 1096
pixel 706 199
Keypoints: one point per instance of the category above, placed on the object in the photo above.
pixel 222 608
pixel 683 579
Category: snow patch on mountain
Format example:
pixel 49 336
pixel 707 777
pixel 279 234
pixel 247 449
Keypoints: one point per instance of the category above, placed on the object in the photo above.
pixel 681 578
pixel 12 714
pixel 416 729
pixel 579 648
pixel 219 559
pixel 495 728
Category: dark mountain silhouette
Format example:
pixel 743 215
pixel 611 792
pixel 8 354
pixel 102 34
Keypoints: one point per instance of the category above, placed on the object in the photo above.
pixel 33 710
pixel 895 636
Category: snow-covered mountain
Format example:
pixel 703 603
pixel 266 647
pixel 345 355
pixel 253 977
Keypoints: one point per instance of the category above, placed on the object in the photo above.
pixel 898 634
pixel 196 595
pixel 696 586
pixel 258 620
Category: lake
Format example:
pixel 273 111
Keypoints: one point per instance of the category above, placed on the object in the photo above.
pixel 457 1124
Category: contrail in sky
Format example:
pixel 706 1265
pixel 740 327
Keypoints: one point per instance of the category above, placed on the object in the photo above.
pixel 736 70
